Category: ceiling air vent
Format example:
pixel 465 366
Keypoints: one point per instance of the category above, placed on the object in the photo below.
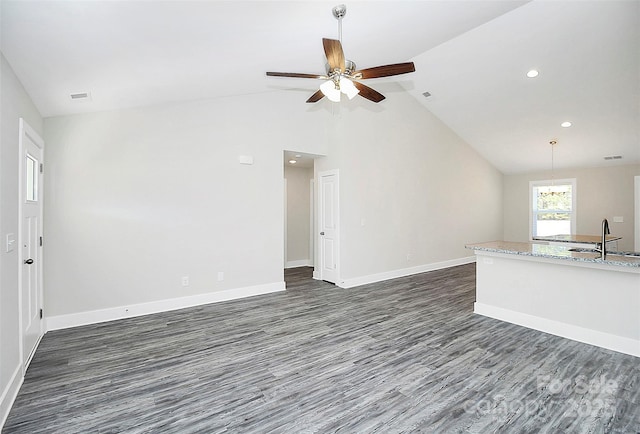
pixel 80 96
pixel 613 157
pixel 426 94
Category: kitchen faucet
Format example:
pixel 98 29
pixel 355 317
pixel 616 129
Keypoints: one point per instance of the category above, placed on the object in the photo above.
pixel 603 241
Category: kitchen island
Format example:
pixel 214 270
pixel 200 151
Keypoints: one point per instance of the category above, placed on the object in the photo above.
pixel 556 290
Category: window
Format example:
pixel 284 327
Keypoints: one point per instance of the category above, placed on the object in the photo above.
pixel 31 178
pixel 552 206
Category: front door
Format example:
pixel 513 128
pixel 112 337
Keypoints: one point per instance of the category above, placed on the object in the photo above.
pixel 329 236
pixel 31 147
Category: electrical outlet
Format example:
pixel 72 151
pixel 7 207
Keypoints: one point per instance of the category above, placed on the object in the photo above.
pixel 618 219
pixel 220 276
pixel 185 280
pixel 408 257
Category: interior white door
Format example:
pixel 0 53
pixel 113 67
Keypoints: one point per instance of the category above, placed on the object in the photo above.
pixel 31 190
pixel 329 237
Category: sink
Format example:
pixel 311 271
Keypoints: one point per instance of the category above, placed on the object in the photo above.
pixel 584 250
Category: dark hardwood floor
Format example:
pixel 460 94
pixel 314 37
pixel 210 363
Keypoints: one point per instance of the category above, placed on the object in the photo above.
pixel 406 355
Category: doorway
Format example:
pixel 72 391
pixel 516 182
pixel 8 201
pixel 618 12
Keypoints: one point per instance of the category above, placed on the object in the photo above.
pixel 298 210
pixel 30 240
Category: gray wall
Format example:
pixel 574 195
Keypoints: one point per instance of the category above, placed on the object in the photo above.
pixel 15 104
pixel 602 192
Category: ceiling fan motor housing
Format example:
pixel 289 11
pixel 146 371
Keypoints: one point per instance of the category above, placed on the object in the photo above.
pixel 349 68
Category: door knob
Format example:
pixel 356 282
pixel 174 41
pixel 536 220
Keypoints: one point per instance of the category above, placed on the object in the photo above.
pixel 28 261
pixel 322 233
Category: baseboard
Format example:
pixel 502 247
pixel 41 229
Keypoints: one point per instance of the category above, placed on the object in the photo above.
pixel 299 263
pixel 103 315
pixel 569 331
pixel 394 274
pixel 9 394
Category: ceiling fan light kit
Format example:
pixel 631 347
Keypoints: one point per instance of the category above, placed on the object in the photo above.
pixel 342 76
pixel 332 89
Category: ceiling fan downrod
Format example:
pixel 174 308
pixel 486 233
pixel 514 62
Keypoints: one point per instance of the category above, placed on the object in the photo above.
pixel 339 12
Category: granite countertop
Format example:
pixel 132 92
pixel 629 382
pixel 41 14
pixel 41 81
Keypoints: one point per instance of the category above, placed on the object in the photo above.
pixel 573 238
pixel 556 252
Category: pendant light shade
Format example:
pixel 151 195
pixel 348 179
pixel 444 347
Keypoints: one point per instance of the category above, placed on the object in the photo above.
pixel 330 90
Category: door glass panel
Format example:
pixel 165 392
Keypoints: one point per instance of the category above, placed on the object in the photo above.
pixel 31 192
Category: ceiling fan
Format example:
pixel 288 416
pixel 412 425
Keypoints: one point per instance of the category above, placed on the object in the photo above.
pixel 342 75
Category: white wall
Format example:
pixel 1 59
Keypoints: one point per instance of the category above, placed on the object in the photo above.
pixel 418 188
pixel 14 104
pixel 603 192
pixel 298 215
pixel 138 198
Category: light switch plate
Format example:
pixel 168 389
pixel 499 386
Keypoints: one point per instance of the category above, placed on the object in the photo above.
pixel 11 242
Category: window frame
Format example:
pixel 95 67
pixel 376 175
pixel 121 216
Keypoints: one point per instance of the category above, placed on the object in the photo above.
pixel 549 183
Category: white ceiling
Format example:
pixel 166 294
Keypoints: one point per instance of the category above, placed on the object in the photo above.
pixel 471 55
pixel 588 56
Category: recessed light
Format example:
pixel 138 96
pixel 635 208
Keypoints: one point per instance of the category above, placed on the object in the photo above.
pixel 292 161
pixel 565 124
pixel 532 74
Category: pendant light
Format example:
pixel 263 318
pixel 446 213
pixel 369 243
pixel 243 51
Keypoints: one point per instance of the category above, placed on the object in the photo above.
pixel 552 143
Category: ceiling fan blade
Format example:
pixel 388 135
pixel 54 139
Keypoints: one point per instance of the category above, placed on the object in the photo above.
pixel 296 75
pixel 334 53
pixel 386 70
pixel 316 96
pixel 368 93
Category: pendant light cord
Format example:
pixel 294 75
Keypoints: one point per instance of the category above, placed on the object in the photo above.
pixel 552 143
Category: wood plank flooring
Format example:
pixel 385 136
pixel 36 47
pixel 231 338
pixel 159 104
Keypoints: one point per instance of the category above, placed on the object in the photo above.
pixel 406 355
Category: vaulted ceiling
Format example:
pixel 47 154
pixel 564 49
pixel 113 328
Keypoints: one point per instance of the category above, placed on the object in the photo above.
pixel 471 56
